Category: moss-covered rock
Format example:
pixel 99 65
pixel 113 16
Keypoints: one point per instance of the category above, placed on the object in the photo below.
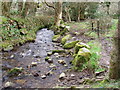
pixel 80 45
pixel 70 45
pixel 15 71
pixel 58 51
pixel 56 38
pixel 81 57
pixel 65 38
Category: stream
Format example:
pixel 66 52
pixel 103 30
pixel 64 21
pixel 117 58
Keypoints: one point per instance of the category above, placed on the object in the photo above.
pixel 43 74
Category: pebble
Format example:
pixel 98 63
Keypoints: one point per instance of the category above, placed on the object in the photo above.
pixel 9 84
pixel 35 74
pixel 62 62
pixel 43 76
pixel 34 64
pixel 72 75
pixel 49 53
pixel 50 60
pixel 62 76
pixel 56 54
pixel 12 56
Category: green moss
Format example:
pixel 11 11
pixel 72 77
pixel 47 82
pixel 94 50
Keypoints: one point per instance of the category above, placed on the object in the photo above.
pixel 56 38
pixel 81 58
pixel 80 45
pixel 64 39
pixel 15 71
pixel 58 51
pixel 70 45
pixel 46 58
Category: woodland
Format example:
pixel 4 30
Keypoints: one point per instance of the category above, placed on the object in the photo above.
pixel 59 45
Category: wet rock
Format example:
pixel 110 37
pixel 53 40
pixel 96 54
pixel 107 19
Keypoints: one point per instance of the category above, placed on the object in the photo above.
pixel 34 64
pixel 49 53
pixel 52 66
pixel 35 74
pixel 49 73
pixel 36 56
pixel 62 62
pixel 72 75
pixel 12 56
pixel 50 60
pixel 56 54
pixel 9 84
pixel 46 58
pixel 62 76
pixel 43 76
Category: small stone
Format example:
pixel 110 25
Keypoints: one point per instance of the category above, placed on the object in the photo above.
pixel 61 62
pixel 43 76
pixel 62 76
pixel 9 84
pixel 56 54
pixel 52 66
pixel 72 75
pixel 12 56
pixel 34 64
pixel 65 65
pixel 35 74
pixel 49 53
pixel 50 61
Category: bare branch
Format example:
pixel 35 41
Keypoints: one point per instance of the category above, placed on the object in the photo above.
pixel 49 5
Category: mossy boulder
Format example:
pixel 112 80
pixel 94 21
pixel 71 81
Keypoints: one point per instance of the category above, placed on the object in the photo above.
pixel 80 45
pixel 81 57
pixel 58 51
pixel 65 38
pixel 56 38
pixel 8 48
pixel 70 45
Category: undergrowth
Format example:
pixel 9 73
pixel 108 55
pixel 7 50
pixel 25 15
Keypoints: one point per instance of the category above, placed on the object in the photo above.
pixel 16 30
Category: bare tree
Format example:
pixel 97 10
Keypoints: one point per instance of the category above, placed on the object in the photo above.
pixel 58 11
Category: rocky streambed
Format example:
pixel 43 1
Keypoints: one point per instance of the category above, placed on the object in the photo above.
pixel 37 72
pixel 37 66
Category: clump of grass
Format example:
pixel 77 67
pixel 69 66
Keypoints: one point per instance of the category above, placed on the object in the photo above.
pixel 95 56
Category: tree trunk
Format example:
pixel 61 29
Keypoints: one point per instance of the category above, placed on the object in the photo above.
pixel 114 71
pixel 58 13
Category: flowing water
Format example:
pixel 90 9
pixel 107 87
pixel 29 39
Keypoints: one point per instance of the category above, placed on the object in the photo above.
pixel 32 77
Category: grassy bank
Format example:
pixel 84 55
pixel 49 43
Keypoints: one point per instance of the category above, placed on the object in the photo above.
pixel 16 31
